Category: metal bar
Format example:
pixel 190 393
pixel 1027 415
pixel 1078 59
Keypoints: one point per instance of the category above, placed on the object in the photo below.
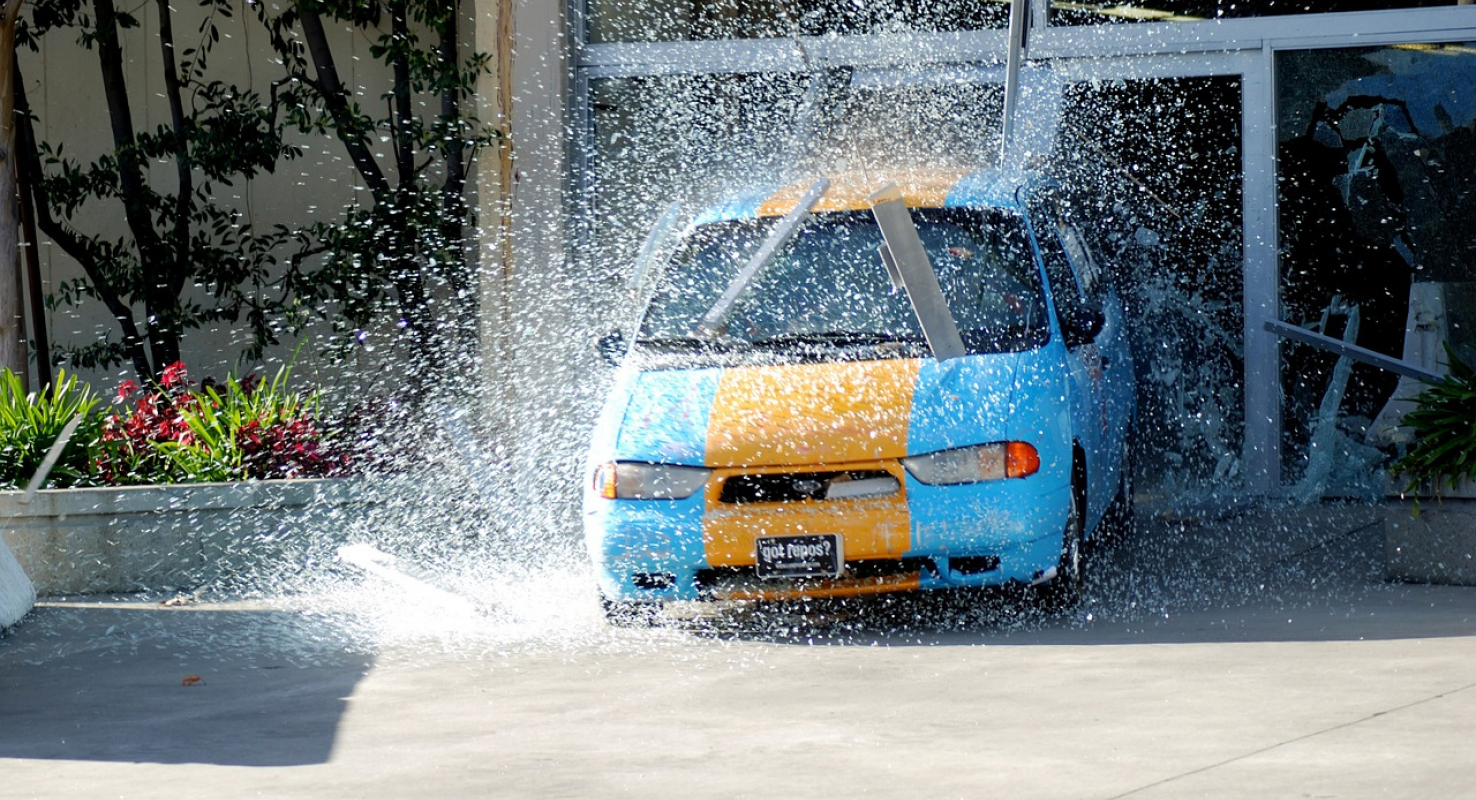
pixel 916 271
pixel 1019 24
pixel 712 322
pixel 1261 445
pixel 655 243
pixel 893 274
pixel 1293 31
pixel 1040 14
pixel 50 460
pixel 1353 351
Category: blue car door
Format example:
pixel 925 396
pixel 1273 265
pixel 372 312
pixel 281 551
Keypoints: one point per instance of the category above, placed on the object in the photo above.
pixel 1092 341
pixel 1118 387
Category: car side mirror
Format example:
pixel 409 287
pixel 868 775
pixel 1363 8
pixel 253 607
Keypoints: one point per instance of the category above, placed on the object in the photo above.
pixel 1083 325
pixel 612 347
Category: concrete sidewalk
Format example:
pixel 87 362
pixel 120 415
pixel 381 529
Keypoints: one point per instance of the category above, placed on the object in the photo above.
pixel 1230 653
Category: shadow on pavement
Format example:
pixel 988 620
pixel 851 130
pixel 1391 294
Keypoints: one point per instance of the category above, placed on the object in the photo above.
pixel 132 681
pixel 1236 574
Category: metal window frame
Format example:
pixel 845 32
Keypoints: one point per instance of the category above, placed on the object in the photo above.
pixel 1288 32
pixel 1243 48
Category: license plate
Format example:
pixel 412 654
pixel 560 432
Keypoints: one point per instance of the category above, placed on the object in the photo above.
pixel 816 556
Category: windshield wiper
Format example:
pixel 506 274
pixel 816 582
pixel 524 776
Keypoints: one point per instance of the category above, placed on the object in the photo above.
pixel 834 338
pixel 691 342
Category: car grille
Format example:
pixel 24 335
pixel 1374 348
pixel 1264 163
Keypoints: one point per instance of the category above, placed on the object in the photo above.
pixel 711 580
pixel 789 487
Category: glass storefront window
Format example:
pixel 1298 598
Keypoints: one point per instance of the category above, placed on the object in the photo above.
pixel 680 138
pixel 1085 13
pixel 696 20
pixel 701 20
pixel 1156 168
pixel 695 139
pixel 1377 178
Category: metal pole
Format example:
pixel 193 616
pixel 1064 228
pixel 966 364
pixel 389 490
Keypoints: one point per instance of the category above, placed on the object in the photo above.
pixel 1346 349
pixel 1019 24
pixel 1262 444
pixel 916 273
pixel 716 317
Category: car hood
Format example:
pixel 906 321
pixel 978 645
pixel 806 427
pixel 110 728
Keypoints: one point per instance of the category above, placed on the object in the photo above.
pixel 815 413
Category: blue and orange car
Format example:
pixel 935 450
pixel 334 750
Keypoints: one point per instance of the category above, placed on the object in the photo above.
pixel 865 384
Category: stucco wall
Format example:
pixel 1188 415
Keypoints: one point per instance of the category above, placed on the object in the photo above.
pixel 64 86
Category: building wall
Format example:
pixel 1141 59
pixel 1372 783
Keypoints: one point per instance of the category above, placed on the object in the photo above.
pixel 63 83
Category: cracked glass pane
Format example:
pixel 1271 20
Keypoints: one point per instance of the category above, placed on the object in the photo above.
pixel 1072 13
pixel 1377 178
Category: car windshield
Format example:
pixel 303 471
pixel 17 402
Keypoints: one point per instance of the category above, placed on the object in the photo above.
pixel 829 285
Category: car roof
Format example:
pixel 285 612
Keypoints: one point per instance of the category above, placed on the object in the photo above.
pixel 851 191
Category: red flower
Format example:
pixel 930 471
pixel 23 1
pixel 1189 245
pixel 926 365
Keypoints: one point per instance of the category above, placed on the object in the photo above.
pixel 125 390
pixel 174 376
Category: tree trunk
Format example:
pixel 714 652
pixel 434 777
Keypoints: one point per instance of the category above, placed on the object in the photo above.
pixel 28 163
pixel 496 180
pixel 161 303
pixel 453 201
pixel 336 101
pixel 12 305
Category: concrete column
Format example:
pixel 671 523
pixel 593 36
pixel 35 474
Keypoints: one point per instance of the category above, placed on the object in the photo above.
pixel 536 346
pixel 495 179
pixel 521 185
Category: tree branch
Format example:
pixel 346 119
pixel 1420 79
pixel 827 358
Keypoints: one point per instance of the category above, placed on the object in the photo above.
pixel 28 162
pixel 153 255
pixel 403 114
pixel 335 98
pixel 183 163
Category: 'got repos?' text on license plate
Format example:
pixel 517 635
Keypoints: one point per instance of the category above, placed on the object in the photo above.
pixel 799 556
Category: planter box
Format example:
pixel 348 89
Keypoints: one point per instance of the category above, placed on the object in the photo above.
pixel 1436 546
pixel 1464 490
pixel 168 538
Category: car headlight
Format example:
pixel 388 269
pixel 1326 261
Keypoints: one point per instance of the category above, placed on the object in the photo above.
pixel 985 462
pixel 630 480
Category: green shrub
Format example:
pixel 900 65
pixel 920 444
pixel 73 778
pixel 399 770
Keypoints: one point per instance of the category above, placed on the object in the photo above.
pixel 1443 451
pixel 241 430
pixel 30 424
pixel 253 430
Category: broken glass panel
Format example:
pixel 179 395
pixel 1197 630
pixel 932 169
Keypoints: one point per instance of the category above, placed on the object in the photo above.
pixel 1155 167
pixel 1377 160
pixel 1073 13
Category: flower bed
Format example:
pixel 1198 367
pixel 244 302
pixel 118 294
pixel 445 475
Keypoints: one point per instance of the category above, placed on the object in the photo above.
pixel 176 485
pixel 169 432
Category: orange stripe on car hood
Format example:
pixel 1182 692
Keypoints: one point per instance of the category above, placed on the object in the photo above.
pixel 799 414
pixel 921 188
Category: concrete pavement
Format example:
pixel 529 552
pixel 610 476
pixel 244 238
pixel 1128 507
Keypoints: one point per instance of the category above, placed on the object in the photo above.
pixel 1232 652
